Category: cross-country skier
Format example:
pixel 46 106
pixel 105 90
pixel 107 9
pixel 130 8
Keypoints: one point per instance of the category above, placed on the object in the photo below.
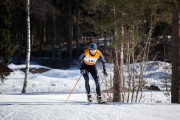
pixel 87 63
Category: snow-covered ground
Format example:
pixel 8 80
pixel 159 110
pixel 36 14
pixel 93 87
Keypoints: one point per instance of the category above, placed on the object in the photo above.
pixel 62 81
pixel 52 107
pixel 48 91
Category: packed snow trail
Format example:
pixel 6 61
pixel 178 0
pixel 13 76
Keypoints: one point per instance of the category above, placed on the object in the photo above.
pixel 53 107
pixel 92 112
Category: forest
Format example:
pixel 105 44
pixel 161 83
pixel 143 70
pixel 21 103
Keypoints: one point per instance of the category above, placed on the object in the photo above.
pixel 54 33
pixel 62 28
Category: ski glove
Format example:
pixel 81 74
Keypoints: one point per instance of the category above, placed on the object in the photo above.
pixel 105 73
pixel 82 71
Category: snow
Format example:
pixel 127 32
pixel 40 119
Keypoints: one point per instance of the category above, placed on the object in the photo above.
pixel 52 107
pixel 48 91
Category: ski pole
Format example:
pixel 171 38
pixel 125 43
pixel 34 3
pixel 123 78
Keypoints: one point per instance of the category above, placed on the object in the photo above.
pixel 73 88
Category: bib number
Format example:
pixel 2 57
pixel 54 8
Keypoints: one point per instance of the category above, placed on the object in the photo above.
pixel 91 61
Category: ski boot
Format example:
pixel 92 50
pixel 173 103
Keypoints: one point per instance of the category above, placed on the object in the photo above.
pixel 101 100
pixel 89 98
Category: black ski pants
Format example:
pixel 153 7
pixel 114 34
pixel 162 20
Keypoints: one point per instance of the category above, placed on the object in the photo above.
pixel 94 73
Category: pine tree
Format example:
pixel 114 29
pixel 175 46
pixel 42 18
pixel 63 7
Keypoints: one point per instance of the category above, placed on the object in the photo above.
pixel 6 45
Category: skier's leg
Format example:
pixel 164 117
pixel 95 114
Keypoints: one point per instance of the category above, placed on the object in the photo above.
pixel 87 86
pixel 95 76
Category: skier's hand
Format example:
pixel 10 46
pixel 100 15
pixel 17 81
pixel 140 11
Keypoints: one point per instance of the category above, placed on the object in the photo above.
pixel 105 73
pixel 82 71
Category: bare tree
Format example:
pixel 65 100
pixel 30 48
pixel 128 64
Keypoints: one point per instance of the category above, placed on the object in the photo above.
pixel 144 18
pixel 28 47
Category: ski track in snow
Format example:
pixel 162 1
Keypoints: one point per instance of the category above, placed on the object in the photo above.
pixel 53 107
pixel 89 112
pixel 10 111
pixel 53 112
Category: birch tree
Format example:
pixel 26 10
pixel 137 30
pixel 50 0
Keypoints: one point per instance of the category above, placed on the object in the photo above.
pixel 28 47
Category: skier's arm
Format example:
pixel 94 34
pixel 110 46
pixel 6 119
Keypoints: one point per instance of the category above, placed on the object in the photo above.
pixel 80 59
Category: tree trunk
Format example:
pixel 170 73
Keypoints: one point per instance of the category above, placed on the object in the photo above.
pixel 77 29
pixel 59 50
pixel 117 87
pixel 116 81
pixel 118 71
pixel 70 29
pixel 54 36
pixel 20 37
pixel 28 48
pixel 175 88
